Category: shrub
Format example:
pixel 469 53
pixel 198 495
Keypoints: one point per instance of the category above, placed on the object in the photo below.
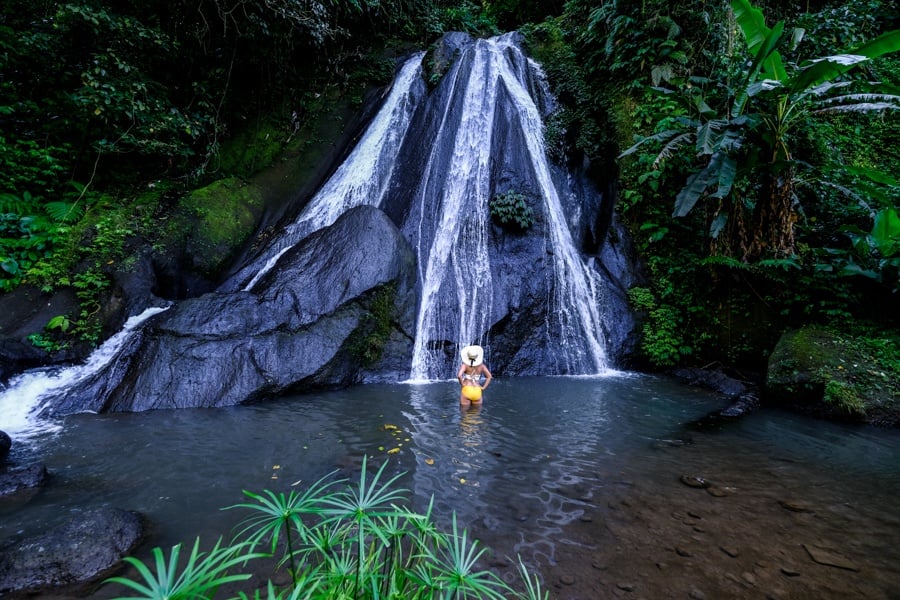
pixel 511 211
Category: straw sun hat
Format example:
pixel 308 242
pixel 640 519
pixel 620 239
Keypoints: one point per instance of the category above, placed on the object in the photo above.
pixel 472 355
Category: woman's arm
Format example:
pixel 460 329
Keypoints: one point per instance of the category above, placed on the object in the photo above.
pixel 487 377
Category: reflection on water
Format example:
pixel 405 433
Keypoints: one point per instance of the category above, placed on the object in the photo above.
pixel 552 469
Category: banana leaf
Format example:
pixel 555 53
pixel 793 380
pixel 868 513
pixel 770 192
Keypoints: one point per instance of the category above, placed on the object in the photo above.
pixel 829 67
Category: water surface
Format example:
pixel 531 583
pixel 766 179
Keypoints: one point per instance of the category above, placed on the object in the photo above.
pixel 575 475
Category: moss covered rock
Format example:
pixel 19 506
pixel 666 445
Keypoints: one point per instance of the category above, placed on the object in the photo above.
pixel 833 376
pixel 220 218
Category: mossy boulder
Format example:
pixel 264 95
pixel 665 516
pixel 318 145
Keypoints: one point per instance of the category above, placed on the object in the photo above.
pixel 217 220
pixel 834 376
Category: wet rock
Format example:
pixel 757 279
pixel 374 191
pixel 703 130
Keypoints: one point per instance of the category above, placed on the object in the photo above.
pixel 81 550
pixel 682 551
pixel 713 380
pixel 795 506
pixel 697 594
pixel 567 580
pixel 790 572
pixel 311 309
pixel 718 492
pixel 22 478
pixel 5 445
pixel 627 587
pixel 732 552
pixel 694 481
pixel 748 577
pixel 829 557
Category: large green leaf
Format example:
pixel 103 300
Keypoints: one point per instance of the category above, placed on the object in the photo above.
pixel 696 185
pixel 761 41
pixel 708 137
pixel 752 23
pixel 829 67
pixel 886 232
pixel 727 173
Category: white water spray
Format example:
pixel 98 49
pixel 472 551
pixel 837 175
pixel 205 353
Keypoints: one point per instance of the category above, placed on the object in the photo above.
pixel 23 400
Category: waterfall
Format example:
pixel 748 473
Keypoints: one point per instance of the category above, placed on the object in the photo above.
pixel 361 179
pixel 455 270
pixel 22 401
pixel 430 161
pixel 447 218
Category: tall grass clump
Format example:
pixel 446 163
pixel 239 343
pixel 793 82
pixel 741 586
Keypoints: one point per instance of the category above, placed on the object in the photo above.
pixel 334 541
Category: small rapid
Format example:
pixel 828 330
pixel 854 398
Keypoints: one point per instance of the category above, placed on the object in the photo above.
pixel 24 398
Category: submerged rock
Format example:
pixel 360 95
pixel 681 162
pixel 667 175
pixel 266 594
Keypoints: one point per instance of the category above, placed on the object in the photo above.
pixel 22 478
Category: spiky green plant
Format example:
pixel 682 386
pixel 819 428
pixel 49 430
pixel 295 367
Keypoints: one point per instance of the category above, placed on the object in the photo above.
pixel 199 577
pixel 275 514
pixel 358 543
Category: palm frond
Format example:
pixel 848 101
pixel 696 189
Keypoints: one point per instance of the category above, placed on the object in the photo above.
pixel 662 136
pixel 829 67
pixel 457 574
pixel 670 147
pixel 860 102
pixel 201 573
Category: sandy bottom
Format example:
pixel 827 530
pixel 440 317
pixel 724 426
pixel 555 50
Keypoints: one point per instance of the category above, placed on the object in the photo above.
pixel 741 533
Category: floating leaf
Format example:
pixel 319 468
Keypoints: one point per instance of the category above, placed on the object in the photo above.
pixel 429 461
pixel 393 450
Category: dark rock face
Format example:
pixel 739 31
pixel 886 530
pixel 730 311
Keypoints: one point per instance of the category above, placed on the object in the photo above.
pixel 81 550
pixel 287 334
pixel 5 445
pixel 27 310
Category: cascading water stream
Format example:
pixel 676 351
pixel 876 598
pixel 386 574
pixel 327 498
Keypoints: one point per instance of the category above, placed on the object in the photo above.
pixel 361 179
pixel 21 402
pixel 455 265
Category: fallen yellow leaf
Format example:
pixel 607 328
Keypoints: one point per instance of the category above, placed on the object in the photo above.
pixel 429 461
pixel 393 450
pixel 461 480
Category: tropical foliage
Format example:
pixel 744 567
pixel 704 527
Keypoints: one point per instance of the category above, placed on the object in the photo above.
pixel 746 147
pixel 334 541
pixel 747 164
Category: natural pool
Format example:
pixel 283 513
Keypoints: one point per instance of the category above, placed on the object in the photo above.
pixel 578 476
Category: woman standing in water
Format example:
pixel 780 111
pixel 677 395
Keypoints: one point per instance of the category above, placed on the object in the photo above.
pixel 470 375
